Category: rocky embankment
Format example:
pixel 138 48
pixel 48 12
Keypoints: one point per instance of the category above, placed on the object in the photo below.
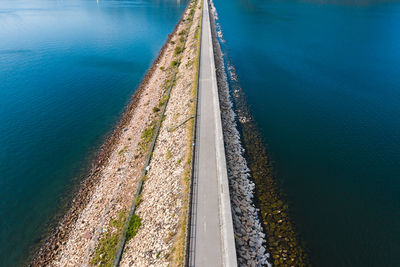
pixel 283 243
pixel 249 235
pixel 161 240
pixel 106 195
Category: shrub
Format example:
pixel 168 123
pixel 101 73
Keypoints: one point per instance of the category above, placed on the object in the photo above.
pixel 133 227
pixel 178 50
pixel 174 63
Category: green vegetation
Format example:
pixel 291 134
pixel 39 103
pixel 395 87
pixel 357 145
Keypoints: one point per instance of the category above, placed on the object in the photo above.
pixel 148 133
pixel 189 63
pixel 175 63
pixel 146 137
pixel 138 200
pixel 133 227
pixel 122 151
pixel 191 14
pixel 156 109
pixel 169 155
pixel 167 239
pixel 178 49
pixel 105 252
pixel 197 32
pixel 163 99
pixel 107 248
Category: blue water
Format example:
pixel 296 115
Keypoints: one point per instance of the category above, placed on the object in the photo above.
pixel 67 69
pixel 322 79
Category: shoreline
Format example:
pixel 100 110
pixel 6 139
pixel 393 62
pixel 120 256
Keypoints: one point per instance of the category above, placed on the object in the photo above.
pixel 282 241
pixel 251 247
pixel 163 208
pixel 46 251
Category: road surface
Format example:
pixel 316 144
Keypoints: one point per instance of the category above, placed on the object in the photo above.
pixel 211 241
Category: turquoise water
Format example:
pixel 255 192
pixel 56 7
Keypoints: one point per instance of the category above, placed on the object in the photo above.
pixel 67 69
pixel 322 79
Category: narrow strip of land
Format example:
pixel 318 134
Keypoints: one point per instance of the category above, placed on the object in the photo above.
pixel 212 241
pixel 90 231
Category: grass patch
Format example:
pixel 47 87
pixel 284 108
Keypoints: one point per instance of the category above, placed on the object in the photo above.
pixel 197 33
pixel 189 161
pixel 162 100
pixel 122 151
pixel 191 14
pixel 133 227
pixel 169 237
pixel 178 50
pixel 156 109
pixel 105 252
pixel 189 63
pixel 146 137
pixel 175 63
pixel 169 155
pixel 138 200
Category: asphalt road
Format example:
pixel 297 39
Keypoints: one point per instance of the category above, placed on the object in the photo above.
pixel 211 241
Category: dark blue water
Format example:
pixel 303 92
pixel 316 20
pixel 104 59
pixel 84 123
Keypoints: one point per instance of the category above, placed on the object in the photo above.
pixel 323 83
pixel 67 69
